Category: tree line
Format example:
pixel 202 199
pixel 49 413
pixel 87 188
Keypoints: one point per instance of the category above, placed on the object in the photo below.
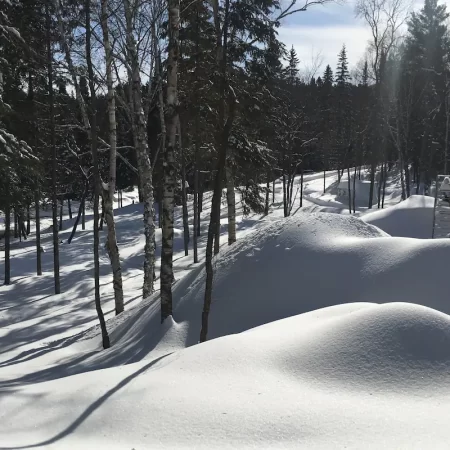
pixel 180 97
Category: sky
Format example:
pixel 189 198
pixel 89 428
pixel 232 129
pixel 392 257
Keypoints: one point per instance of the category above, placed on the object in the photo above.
pixel 323 29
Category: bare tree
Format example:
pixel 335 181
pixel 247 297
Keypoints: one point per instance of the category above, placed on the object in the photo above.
pixel 109 188
pixel 105 336
pixel 54 151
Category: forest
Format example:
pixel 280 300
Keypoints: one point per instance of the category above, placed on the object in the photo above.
pixel 180 98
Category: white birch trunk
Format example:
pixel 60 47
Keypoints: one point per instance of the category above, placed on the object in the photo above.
pixel 108 191
pixel 144 166
pixel 169 160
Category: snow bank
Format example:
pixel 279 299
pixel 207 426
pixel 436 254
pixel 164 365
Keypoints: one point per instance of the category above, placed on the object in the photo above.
pixel 290 267
pixel 349 376
pixel 410 218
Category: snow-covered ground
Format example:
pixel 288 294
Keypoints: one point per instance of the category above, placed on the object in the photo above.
pixel 351 347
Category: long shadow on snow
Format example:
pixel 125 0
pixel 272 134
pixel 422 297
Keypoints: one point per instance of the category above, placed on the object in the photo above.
pixel 90 409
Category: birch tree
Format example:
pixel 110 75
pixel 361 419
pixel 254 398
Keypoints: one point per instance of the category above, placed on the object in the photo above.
pixel 142 151
pixel 172 120
pixel 109 188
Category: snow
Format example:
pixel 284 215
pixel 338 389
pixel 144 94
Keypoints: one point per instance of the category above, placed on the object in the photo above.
pixel 349 376
pixel 325 332
pixel 410 218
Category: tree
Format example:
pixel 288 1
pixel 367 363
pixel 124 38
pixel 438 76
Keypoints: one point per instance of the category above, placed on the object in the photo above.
pixel 172 120
pixel 108 190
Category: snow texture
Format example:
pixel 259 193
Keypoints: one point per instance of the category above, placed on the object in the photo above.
pixel 410 218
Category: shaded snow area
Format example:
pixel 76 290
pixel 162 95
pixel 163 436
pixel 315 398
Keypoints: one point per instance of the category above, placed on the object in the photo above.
pixel 326 331
pixel 410 218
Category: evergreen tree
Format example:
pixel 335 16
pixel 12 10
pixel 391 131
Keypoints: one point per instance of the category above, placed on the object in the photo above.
pixel 328 78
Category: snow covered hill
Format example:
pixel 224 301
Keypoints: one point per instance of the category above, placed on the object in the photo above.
pixel 410 218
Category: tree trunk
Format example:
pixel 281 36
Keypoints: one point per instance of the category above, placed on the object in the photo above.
pixel 380 184
pixel 354 191
pixel 61 207
pixel 54 151
pixel 7 240
pixel 184 194
pixel 69 206
pixel 83 215
pixel 97 180
pixel 28 219
pixel 349 191
pixel 80 212
pixel 172 121
pixel 384 185
pixel 109 190
pixel 37 219
pixel 372 184
pixel 217 230
pixel 407 180
pixel 222 137
pixel 301 188
pixel 144 166
pixel 231 202
pixel 266 204
pixel 16 224
pixel 102 216
pixel 285 195
pixel 324 179
pixel 196 213
pixel 273 190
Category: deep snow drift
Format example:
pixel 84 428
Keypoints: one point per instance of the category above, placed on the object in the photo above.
pixel 410 218
pixel 326 366
pixel 349 376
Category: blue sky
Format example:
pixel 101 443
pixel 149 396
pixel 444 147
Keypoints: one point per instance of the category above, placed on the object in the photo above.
pixel 324 29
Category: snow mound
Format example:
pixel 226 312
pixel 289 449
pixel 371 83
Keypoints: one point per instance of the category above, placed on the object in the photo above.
pixel 349 376
pixel 410 218
pixel 397 347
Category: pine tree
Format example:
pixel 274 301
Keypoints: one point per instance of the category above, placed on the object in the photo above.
pixel 328 78
pixel 292 69
pixel 342 73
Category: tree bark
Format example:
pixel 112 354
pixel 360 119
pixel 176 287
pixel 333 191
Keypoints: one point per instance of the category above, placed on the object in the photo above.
pixel 97 181
pixel 8 240
pixel 266 204
pixel 83 216
pixel 349 191
pixel 80 212
pixel 184 194
pixel 301 188
pixel 380 184
pixel 231 203
pixel 69 206
pixel 196 213
pixel 384 185
pixel 16 224
pixel 144 165
pixel 372 184
pixel 37 219
pixel 28 219
pixel 172 121
pixel 109 189
pixel 54 152
pixel 61 207
pixel 222 137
